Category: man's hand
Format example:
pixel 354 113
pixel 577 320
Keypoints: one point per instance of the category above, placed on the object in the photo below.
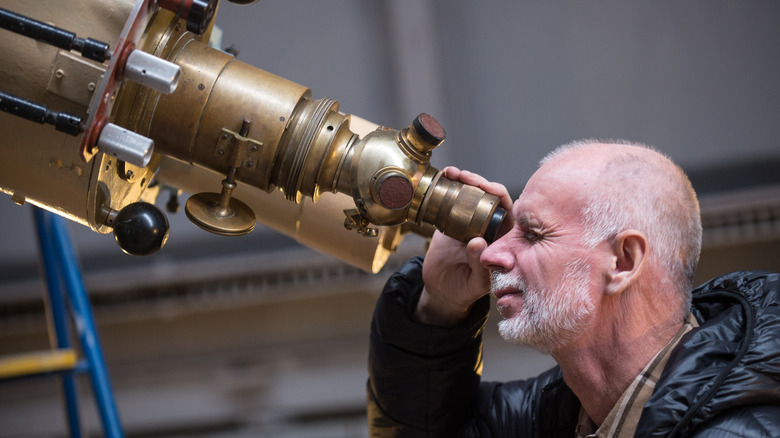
pixel 453 275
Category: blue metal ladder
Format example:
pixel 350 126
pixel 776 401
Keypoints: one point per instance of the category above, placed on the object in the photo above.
pixel 61 269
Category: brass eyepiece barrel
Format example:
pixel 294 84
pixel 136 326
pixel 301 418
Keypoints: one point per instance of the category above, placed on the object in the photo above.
pixel 462 211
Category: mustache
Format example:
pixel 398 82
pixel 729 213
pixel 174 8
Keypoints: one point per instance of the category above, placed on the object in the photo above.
pixel 502 280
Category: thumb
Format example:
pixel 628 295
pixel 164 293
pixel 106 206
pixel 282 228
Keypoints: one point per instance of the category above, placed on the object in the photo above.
pixel 480 276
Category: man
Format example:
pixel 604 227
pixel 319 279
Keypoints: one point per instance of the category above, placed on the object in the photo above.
pixel 596 271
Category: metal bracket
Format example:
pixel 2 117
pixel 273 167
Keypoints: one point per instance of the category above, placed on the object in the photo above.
pixel 358 222
pixel 249 156
pixel 74 78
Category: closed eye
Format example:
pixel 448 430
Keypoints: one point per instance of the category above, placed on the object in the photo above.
pixel 531 230
pixel 532 236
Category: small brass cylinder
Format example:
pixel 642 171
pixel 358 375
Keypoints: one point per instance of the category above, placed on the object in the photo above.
pixel 458 210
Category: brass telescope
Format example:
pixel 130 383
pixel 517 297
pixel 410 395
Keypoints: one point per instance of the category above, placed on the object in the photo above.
pixel 163 99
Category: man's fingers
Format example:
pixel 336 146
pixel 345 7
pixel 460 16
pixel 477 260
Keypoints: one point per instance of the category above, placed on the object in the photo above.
pixel 479 275
pixel 499 190
pixel 451 172
pixel 472 179
pixel 476 180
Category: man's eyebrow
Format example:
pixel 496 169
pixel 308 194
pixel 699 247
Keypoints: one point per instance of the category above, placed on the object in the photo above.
pixel 524 220
pixel 529 221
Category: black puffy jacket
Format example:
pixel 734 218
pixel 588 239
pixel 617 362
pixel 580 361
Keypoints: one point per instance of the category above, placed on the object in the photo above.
pixel 722 380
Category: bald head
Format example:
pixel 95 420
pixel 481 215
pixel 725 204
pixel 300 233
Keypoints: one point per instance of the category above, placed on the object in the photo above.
pixel 622 186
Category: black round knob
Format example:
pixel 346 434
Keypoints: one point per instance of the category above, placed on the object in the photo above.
pixel 140 229
pixel 200 15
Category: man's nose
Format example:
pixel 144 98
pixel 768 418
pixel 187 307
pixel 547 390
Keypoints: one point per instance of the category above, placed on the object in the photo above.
pixel 498 255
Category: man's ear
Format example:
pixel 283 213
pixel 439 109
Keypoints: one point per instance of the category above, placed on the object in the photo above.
pixel 629 252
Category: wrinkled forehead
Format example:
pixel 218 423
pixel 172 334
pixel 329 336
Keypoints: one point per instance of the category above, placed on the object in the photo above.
pixel 567 176
pixel 555 191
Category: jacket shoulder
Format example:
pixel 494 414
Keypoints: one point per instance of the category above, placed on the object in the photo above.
pixel 759 287
pixel 727 370
pixel 757 421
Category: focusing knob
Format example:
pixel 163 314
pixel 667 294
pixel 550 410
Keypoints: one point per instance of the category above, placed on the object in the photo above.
pixel 140 229
pixel 198 13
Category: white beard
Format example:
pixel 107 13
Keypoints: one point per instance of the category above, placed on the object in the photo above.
pixel 551 317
